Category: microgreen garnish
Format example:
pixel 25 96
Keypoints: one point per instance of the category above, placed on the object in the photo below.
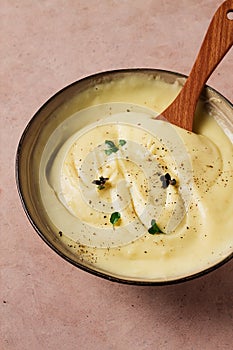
pixel 115 217
pixel 154 228
pixel 110 143
pixel 101 182
pixel 122 142
pixel 166 180
pixel 112 148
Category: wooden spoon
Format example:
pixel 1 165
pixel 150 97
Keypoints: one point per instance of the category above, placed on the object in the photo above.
pixel 218 40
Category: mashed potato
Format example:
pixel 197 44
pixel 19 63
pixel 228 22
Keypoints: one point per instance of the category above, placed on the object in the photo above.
pixel 111 160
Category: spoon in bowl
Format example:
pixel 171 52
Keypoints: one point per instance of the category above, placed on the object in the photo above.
pixel 217 41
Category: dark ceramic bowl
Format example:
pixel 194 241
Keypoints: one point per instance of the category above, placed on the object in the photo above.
pixel 34 139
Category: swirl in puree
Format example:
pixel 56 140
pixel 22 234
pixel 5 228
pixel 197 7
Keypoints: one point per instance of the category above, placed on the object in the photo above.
pixel 135 196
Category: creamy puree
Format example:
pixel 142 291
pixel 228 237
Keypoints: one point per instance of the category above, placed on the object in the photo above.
pixel 194 214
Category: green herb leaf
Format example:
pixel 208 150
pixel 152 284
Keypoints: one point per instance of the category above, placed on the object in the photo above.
pixel 110 144
pixel 115 217
pixel 111 150
pixel 108 151
pixel 154 228
pixel 112 147
pixel 153 222
pixel 122 142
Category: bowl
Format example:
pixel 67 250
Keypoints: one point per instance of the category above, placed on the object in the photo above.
pixel 47 132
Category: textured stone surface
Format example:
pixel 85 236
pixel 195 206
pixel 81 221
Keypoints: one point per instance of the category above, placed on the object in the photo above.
pixel 45 302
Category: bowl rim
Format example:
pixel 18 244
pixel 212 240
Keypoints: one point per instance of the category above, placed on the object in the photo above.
pixel 106 276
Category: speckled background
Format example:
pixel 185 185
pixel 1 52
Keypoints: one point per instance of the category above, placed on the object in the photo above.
pixel 45 302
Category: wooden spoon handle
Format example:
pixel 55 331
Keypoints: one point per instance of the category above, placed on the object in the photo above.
pixel 218 40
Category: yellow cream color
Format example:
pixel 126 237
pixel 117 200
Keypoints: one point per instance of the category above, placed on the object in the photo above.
pixel 195 214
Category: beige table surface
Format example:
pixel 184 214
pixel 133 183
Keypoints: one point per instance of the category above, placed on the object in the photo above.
pixel 46 303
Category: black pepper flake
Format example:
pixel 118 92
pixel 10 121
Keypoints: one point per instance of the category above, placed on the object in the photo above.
pixel 60 233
